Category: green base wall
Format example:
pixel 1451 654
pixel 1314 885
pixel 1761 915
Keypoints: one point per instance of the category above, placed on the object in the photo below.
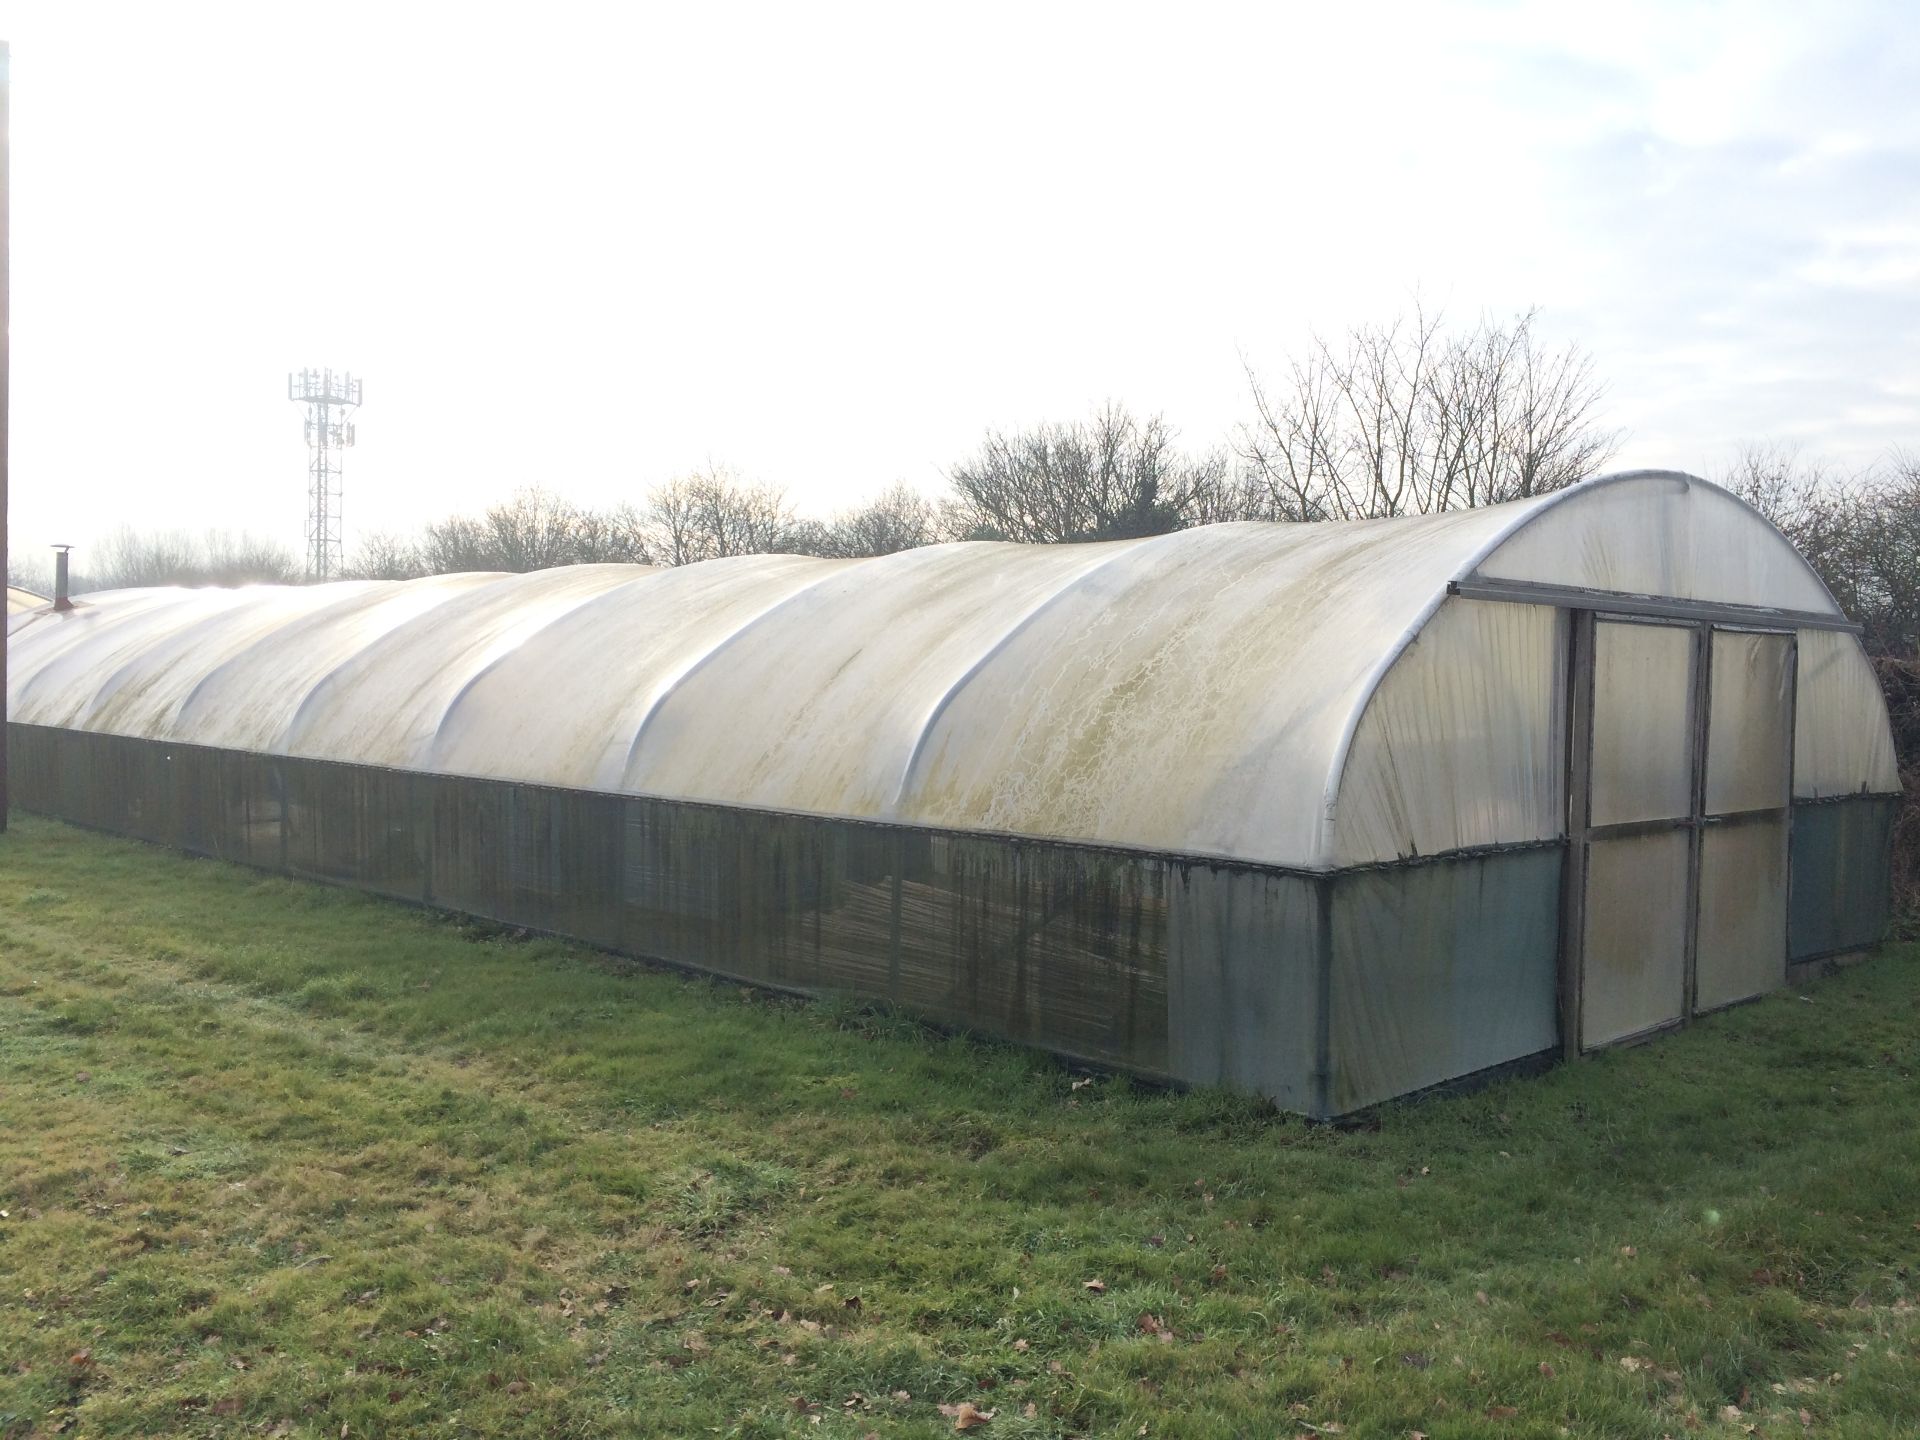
pixel 1325 993
pixel 1840 881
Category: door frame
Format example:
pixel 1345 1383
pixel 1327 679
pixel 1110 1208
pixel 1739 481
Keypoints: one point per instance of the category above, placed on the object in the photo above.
pixel 1578 698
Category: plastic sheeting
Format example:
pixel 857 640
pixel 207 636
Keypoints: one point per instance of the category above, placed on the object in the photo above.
pixel 1742 947
pixel 1642 763
pixel 1634 955
pixel 18 600
pixel 1462 745
pixel 1665 535
pixel 1749 716
pixel 1440 970
pixel 1051 945
pixel 1842 742
pixel 1245 982
pixel 1842 851
pixel 1298 696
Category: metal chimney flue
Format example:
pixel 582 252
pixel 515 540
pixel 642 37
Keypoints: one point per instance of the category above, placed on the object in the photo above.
pixel 61 599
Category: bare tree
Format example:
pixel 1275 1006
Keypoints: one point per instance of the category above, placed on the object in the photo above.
pixel 1108 478
pixel 711 514
pixel 898 518
pixel 1859 529
pixel 533 529
pixel 1407 417
pixel 383 555
pixel 126 558
pixel 455 545
pixel 618 535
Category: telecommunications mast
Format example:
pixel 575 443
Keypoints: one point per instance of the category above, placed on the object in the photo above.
pixel 329 398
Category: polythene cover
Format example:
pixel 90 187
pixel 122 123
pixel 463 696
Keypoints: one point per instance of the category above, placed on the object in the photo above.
pixel 1842 743
pixel 1749 715
pixel 1634 952
pixel 1642 764
pixel 18 599
pixel 1462 745
pixel 1199 693
pixel 1664 535
pixel 1742 932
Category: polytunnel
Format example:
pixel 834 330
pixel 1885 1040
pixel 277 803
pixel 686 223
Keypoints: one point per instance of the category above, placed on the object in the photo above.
pixel 1330 812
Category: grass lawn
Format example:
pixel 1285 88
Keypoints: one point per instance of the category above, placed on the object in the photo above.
pixel 282 1160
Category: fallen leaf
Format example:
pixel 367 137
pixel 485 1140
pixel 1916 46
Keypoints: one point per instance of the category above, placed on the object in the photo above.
pixel 1629 1251
pixel 1098 1287
pixel 1480 1298
pixel 1731 1412
pixel 1547 1370
pixel 1020 1347
pixel 1218 1274
pixel 1502 1412
pixel 965 1416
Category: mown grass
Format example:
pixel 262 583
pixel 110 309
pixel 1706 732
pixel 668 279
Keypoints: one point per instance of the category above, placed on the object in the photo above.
pixel 283 1160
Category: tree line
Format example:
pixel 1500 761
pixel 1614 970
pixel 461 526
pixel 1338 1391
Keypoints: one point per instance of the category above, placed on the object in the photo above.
pixel 1408 416
pixel 1390 419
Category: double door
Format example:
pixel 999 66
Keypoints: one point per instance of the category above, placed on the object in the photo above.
pixel 1680 786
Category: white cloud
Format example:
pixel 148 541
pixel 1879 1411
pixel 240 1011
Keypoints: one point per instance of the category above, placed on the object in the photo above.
pixel 829 245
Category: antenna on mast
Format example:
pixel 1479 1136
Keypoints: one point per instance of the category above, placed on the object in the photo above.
pixel 329 399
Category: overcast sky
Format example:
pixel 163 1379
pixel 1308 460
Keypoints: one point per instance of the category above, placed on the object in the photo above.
pixel 595 246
